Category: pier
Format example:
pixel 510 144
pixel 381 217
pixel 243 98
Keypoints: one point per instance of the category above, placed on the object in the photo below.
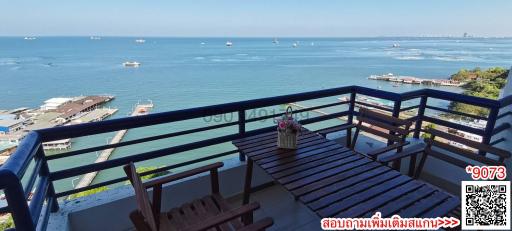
pixel 414 80
pixel 140 109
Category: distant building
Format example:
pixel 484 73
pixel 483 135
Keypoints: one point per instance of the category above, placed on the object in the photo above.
pixel 10 123
pixel 54 103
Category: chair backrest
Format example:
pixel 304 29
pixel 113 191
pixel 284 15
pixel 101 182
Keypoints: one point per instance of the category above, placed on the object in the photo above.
pixel 399 127
pixel 462 152
pixel 141 195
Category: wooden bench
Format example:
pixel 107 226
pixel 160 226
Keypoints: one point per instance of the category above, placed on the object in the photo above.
pixel 211 212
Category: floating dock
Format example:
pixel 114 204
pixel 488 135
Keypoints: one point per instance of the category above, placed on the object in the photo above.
pixel 140 109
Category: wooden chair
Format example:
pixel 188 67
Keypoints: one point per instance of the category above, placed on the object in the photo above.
pixel 208 213
pixel 468 157
pixel 391 128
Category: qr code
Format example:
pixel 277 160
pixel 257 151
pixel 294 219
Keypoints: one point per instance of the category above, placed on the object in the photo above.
pixel 486 205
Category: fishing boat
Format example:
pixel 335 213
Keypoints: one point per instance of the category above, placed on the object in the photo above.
pixel 229 44
pixel 131 64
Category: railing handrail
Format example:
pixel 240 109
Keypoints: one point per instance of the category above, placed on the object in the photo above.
pixel 30 147
pixel 57 133
pixel 72 131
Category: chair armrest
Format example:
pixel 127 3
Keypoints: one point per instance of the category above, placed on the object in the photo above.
pixel 379 151
pixel 166 179
pixel 223 217
pixel 409 151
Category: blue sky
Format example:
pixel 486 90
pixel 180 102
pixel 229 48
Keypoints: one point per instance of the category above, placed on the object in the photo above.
pixel 280 18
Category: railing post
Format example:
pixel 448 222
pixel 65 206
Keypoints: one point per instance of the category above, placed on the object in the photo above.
pixel 350 118
pixel 419 119
pixel 396 113
pixel 45 171
pixel 489 127
pixel 241 129
pixel 16 202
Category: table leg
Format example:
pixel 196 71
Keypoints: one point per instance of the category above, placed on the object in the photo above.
pixel 247 189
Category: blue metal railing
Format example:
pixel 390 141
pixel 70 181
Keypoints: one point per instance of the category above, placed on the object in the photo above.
pixel 41 180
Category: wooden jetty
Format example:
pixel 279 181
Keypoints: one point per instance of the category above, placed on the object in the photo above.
pixel 140 109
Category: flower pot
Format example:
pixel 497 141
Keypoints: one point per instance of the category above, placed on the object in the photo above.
pixel 287 139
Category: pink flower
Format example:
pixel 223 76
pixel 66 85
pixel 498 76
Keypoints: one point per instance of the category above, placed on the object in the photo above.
pixel 282 124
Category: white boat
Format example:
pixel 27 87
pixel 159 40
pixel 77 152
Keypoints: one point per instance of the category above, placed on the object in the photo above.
pixel 275 41
pixel 95 38
pixel 131 64
pixel 30 38
pixel 140 41
pixel 229 44
pixel 396 45
pixel 294 45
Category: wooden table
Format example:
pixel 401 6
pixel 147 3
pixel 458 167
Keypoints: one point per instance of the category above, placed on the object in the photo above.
pixel 335 181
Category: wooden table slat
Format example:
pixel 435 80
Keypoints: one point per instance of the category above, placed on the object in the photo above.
pixel 304 166
pixel 315 186
pixel 272 151
pixel 443 209
pixel 271 143
pixel 318 169
pixel 375 202
pixel 364 175
pixel 424 205
pixel 405 201
pixel 354 199
pixel 284 153
pixel 293 161
pixel 348 191
pixel 325 174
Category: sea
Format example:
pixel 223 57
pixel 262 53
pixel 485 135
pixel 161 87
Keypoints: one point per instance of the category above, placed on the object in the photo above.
pixel 179 73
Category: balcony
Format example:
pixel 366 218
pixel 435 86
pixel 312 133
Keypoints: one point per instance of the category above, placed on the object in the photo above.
pixel 206 133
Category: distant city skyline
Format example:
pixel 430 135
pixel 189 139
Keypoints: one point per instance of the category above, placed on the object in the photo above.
pixel 264 18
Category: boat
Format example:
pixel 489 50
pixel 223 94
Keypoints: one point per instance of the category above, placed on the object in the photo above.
pixel 294 45
pixel 30 38
pixel 275 41
pixel 396 45
pixel 95 38
pixel 131 64
pixel 140 41
pixel 229 44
